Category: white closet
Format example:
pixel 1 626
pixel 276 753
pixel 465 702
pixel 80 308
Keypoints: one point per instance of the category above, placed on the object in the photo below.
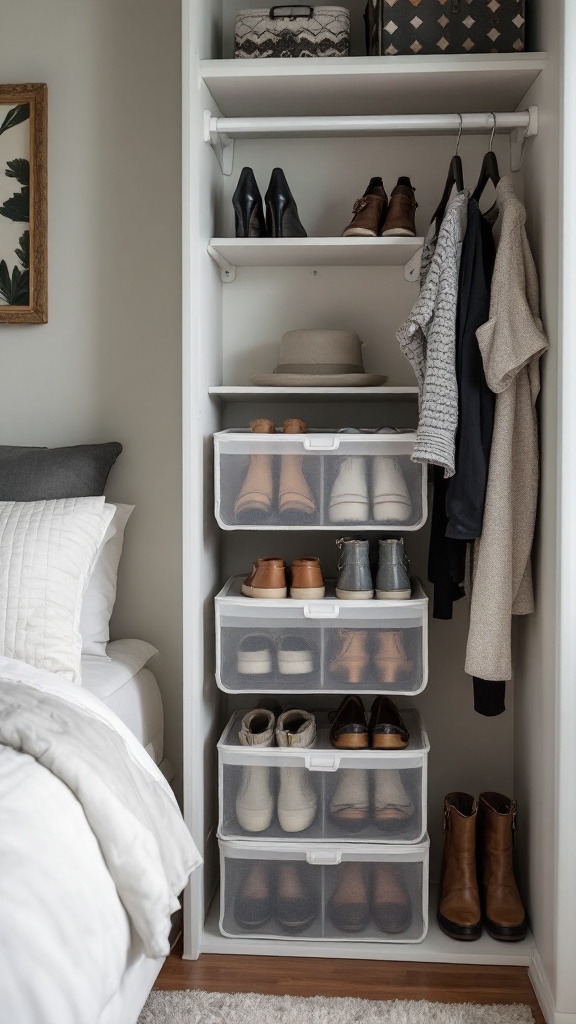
pixel 239 300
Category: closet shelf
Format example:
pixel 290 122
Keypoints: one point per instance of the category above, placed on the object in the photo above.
pixel 443 84
pixel 251 393
pixel 230 253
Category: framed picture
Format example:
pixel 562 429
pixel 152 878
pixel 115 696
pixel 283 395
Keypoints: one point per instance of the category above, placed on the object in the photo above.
pixel 23 204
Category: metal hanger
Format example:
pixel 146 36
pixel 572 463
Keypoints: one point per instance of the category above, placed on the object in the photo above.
pixel 455 178
pixel 489 170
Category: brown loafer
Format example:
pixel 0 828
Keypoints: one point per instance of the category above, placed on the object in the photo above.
pixel 349 730
pixel 386 728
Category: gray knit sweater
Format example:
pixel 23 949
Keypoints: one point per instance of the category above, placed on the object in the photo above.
pixel 428 340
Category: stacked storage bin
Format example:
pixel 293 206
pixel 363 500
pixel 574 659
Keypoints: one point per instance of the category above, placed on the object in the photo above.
pixel 370 850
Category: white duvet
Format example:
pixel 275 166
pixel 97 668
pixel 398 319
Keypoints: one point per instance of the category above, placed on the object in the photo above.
pixel 93 851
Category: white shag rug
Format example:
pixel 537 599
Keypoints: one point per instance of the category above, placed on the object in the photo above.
pixel 217 1008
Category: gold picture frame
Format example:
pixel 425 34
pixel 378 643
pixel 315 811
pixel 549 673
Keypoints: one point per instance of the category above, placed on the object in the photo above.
pixel 23 204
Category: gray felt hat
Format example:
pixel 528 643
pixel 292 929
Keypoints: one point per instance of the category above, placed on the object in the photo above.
pixel 319 358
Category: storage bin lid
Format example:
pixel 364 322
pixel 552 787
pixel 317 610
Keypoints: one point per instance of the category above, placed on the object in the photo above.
pixel 323 757
pixel 231 593
pixel 325 854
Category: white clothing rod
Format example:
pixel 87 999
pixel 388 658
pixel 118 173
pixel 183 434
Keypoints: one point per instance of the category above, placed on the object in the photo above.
pixel 372 124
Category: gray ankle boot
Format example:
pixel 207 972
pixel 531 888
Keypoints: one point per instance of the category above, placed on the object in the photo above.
pixel 392 581
pixel 355 579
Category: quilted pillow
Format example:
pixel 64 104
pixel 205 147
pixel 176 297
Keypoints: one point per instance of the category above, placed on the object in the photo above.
pixel 47 552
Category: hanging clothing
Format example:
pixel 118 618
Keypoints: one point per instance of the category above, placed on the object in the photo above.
pixel 511 343
pixel 467 489
pixel 458 503
pixel 428 339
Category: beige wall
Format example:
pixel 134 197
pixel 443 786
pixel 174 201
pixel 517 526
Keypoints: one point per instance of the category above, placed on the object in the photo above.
pixel 107 365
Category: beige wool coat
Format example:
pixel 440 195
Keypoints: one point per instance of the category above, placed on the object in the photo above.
pixel 511 344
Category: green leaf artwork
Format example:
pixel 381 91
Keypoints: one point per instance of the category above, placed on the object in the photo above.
pixel 18 206
pixel 19 169
pixel 14 290
pixel 23 253
pixel 15 116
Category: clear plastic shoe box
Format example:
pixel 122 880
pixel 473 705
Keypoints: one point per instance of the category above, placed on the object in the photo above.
pixel 331 892
pixel 290 646
pixel 320 793
pixel 319 480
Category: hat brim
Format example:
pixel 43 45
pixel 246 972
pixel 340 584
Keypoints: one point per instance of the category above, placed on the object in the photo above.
pixel 318 380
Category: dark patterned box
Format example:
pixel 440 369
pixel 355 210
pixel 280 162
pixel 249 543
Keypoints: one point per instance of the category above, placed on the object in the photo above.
pixel 403 27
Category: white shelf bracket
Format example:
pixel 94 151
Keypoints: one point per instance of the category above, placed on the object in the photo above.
pixel 518 139
pixel 412 268
pixel 227 269
pixel 222 144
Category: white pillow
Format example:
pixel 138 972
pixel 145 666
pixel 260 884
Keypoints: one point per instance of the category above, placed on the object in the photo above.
pixel 100 595
pixel 47 552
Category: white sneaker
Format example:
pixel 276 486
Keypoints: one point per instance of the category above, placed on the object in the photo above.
pixel 295 657
pixel 391 500
pixel 297 800
pixel 255 655
pixel 255 801
pixel 392 804
pixel 349 496
pixel 350 805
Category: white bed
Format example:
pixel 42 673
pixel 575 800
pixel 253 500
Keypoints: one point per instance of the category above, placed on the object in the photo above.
pixel 46 975
pixel 130 690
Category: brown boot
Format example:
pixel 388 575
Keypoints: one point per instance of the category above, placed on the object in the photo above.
pixel 504 915
pixel 369 211
pixel 255 498
pixel 352 658
pixel 400 219
pixel 459 914
pixel 391 659
pixel 307 580
pixel 294 493
pixel 267 579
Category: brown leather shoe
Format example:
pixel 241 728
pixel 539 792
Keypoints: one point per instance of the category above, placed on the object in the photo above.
pixel 391 906
pixel 294 493
pixel 459 914
pixel 400 219
pixel 386 728
pixel 352 657
pixel 254 501
pixel 349 905
pixel 369 211
pixel 267 579
pixel 504 914
pixel 349 730
pixel 391 659
pixel 307 580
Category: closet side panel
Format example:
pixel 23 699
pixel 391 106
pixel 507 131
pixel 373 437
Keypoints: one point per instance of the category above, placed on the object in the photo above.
pixel 536 678
pixel 201 367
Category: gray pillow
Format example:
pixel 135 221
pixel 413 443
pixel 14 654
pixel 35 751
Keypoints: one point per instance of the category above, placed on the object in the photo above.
pixel 41 474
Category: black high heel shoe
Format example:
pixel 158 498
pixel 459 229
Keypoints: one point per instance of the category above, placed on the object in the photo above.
pixel 282 218
pixel 248 209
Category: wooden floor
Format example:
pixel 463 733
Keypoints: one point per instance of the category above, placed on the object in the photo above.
pixel 296 976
